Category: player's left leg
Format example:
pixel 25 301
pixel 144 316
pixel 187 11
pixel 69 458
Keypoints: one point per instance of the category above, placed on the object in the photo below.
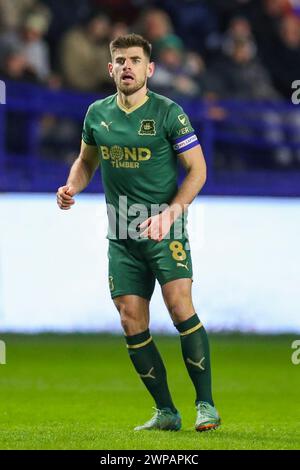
pixel 171 263
pixel 195 348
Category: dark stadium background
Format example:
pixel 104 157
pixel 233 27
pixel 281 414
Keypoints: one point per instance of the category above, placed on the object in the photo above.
pixel 230 64
pixel 233 66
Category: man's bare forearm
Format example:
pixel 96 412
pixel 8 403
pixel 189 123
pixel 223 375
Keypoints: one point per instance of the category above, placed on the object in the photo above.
pixel 156 227
pixel 189 189
pixel 80 175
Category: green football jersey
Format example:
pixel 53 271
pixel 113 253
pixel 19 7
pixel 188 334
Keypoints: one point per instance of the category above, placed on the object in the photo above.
pixel 138 153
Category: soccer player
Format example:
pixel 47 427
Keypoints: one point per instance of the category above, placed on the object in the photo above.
pixel 138 136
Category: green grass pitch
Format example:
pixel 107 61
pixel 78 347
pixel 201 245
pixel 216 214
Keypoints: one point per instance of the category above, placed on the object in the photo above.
pixel 81 392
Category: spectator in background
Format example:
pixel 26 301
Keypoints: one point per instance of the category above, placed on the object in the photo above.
pixel 284 64
pixel 196 22
pixel 29 39
pixel 34 46
pixel 177 72
pixel 118 28
pixel 265 17
pixel 12 13
pixel 285 68
pixel 243 77
pixel 155 25
pixel 239 28
pixel 240 74
pixel 66 15
pixel 85 55
pixel 9 40
pixel 15 66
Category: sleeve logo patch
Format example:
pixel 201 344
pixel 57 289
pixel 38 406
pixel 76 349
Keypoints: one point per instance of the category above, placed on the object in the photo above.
pixel 147 127
pixel 182 119
pixel 183 130
pixel 185 143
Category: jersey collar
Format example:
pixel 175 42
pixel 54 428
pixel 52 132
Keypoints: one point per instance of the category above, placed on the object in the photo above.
pixel 133 108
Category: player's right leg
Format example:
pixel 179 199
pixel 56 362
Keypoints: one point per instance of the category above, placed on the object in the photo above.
pixel 131 285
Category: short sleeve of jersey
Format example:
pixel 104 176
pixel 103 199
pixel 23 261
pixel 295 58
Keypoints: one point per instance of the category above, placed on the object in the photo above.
pixel 179 129
pixel 87 132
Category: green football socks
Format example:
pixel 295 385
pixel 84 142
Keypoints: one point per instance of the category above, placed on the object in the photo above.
pixel 195 351
pixel 149 365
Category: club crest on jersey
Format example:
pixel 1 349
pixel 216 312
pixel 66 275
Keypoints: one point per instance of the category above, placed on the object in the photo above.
pixel 147 127
pixel 182 119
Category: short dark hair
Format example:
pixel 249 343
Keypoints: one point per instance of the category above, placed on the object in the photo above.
pixel 131 40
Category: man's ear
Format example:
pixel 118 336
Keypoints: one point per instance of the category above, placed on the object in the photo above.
pixel 110 69
pixel 151 68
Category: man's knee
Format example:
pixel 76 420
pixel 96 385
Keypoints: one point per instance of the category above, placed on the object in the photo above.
pixel 179 302
pixel 128 316
pixel 132 319
pixel 180 308
pixel 177 307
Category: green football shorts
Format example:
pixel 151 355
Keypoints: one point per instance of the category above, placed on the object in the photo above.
pixel 135 264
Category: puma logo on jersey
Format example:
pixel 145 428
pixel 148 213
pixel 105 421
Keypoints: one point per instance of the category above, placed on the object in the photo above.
pixel 196 364
pixel 181 265
pixel 148 375
pixel 104 124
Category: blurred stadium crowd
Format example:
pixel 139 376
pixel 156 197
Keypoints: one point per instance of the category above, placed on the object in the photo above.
pixel 239 48
pixel 207 49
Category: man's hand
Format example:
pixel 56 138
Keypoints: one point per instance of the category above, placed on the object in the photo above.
pixel 157 226
pixel 64 197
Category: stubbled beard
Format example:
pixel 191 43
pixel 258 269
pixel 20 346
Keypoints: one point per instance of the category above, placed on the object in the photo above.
pixel 129 90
